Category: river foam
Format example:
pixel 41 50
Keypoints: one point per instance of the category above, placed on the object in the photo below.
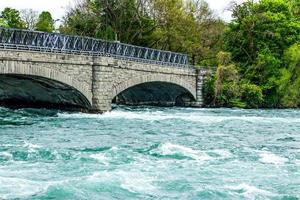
pixel 15 188
pixel 249 191
pixel 130 180
pixel 100 157
pixel 168 149
pixel 271 158
pixel 31 147
pixel 200 117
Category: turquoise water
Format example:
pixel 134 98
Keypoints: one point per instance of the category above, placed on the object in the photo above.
pixel 150 153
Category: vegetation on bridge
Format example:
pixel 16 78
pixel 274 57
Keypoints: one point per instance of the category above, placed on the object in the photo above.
pixel 257 53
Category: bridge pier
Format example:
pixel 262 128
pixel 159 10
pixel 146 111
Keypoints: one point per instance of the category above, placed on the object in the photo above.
pixel 112 77
pixel 199 88
pixel 101 86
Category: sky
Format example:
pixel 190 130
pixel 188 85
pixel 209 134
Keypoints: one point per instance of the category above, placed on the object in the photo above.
pixel 58 7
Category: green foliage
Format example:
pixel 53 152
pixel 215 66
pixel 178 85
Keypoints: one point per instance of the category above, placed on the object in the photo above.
pixel 226 85
pixel 289 83
pixel 45 22
pixel 209 90
pixel 257 39
pixel 224 58
pixel 11 18
pixel 257 26
pixel 3 23
pixel 186 26
pixel 266 65
pixel 295 5
pixel 251 95
pixel 230 91
pixel 227 73
pixel 123 20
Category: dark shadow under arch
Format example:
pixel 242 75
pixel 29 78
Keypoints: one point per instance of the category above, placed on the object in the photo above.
pixel 27 91
pixel 156 93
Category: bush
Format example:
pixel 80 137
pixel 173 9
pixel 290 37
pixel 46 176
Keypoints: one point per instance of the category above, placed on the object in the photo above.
pixel 236 102
pixel 289 82
pixel 251 95
pixel 226 85
pixel 209 90
pixel 229 95
pixel 224 58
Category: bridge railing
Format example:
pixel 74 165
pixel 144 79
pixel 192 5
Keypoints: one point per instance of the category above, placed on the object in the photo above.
pixel 59 43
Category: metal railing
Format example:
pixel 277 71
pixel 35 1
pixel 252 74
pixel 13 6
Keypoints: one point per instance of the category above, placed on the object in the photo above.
pixel 59 43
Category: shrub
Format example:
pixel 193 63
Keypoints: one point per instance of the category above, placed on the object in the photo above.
pixel 251 95
pixel 289 82
pixel 209 90
pixel 224 58
pixel 229 95
pixel 226 85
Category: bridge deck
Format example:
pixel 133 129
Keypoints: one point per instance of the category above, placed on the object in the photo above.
pixel 60 43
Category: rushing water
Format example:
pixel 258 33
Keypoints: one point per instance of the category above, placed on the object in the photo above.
pixel 150 153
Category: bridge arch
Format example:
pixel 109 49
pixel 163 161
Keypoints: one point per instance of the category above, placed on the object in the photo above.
pixel 47 77
pixel 171 86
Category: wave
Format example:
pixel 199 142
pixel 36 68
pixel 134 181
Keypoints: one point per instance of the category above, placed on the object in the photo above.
pixel 15 188
pixel 181 152
pixel 130 180
pixel 195 116
pixel 100 157
pixel 31 147
pixel 29 112
pixel 21 116
pixel 29 152
pixel 24 117
pixel 221 153
pixel 270 158
pixel 6 155
pixel 249 192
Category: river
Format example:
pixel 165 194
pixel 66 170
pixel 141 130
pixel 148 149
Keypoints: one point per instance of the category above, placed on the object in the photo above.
pixel 150 153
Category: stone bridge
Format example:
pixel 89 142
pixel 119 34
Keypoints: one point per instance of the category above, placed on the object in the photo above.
pixel 32 76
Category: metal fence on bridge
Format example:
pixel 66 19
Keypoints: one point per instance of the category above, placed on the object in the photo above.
pixel 59 43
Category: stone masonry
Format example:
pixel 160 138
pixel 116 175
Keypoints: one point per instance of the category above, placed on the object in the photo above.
pixel 99 79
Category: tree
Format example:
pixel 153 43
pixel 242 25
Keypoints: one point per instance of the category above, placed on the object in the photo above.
pixel 11 18
pixel 30 18
pixel 289 83
pixel 123 20
pixel 3 23
pixel 256 26
pixel 257 38
pixel 295 5
pixel 187 26
pixel 82 20
pixel 229 89
pixel 207 33
pixel 226 84
pixel 45 22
